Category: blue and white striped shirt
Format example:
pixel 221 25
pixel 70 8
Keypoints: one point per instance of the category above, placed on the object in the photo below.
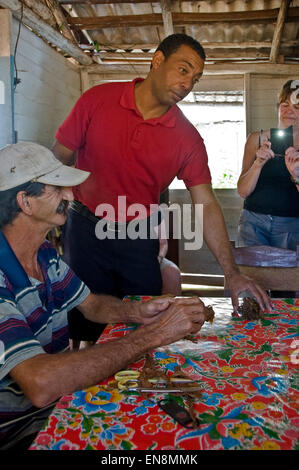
pixel 33 320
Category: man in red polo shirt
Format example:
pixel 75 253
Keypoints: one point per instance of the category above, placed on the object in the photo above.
pixel 134 140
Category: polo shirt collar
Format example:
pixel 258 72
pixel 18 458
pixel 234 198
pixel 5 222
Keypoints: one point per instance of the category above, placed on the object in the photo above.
pixel 127 100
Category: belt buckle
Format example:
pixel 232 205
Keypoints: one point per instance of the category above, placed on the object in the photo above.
pixel 112 228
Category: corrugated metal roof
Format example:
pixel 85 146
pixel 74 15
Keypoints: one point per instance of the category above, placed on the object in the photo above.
pixel 224 40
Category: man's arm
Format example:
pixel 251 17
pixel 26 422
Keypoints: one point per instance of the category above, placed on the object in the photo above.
pixel 45 377
pixel 62 153
pixel 108 309
pixel 216 237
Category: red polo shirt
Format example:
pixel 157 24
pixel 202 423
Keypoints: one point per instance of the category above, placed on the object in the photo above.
pixel 127 155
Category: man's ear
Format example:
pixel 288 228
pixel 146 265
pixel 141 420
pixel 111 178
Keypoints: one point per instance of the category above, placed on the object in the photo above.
pixel 158 59
pixel 24 202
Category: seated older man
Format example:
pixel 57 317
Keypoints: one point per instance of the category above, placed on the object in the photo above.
pixel 37 289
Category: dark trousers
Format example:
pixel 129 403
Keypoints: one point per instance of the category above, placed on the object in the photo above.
pixel 116 267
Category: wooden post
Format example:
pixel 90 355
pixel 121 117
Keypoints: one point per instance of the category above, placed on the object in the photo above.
pixel 278 31
pixel 247 103
pixel 167 17
pixel 85 85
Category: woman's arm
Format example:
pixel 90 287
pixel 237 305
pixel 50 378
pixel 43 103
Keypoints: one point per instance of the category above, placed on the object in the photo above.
pixel 254 159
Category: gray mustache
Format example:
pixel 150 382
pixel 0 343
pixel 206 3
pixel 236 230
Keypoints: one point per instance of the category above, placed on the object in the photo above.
pixel 63 207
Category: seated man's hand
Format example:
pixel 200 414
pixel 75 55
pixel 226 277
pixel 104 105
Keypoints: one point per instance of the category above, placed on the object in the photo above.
pixel 180 319
pixel 147 312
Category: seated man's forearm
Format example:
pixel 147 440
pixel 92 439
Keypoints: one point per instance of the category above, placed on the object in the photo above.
pixel 45 377
pixel 108 309
pixel 55 375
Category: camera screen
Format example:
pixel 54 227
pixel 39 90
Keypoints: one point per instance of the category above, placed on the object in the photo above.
pixel 281 139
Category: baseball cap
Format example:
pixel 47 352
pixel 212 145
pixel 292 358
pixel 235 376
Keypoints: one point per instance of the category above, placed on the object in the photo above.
pixel 28 161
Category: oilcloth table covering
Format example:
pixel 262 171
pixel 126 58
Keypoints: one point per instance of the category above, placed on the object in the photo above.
pixel 248 372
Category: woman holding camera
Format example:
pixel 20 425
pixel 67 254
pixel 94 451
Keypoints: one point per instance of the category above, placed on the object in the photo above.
pixel 269 180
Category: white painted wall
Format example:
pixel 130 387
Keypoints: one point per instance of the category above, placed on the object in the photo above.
pixel 49 88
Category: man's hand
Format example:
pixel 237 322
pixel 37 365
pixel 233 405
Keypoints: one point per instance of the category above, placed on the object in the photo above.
pixel 182 317
pixel 238 283
pixel 147 312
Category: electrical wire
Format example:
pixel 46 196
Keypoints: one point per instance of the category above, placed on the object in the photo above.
pixel 16 81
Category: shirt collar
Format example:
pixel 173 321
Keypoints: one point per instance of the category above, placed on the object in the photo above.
pixel 127 100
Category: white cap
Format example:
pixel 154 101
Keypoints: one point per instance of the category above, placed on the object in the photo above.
pixel 28 161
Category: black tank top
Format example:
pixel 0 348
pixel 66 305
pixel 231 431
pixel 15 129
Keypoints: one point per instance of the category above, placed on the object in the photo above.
pixel 275 194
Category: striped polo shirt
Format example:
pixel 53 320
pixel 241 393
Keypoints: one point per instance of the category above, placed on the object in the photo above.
pixel 33 320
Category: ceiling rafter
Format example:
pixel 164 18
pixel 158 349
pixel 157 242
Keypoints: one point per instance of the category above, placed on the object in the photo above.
pixel 282 15
pixel 101 2
pixel 45 30
pixel 111 32
pixel 182 19
pixel 206 45
pixel 61 20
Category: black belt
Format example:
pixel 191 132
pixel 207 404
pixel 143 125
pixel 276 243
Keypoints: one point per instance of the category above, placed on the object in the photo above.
pixel 83 210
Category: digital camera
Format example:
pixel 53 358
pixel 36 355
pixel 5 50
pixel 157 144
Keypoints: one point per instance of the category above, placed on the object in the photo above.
pixel 281 139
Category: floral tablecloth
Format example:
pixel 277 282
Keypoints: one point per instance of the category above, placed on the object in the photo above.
pixel 248 372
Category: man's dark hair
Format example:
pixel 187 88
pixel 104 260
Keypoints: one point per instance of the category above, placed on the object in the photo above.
pixel 171 44
pixel 9 207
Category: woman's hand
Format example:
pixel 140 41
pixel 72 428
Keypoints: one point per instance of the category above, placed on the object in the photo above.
pixel 291 158
pixel 264 153
pixel 292 162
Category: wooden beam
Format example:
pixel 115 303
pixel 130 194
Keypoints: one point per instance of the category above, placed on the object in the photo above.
pixel 41 10
pixel 51 14
pixel 100 2
pixel 45 30
pixel 278 30
pixel 167 17
pixel 61 20
pixel 264 68
pixel 180 19
pixel 211 55
pixel 203 279
pixel 206 45
pixel 215 69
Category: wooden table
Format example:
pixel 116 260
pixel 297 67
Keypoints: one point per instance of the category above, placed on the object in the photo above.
pixel 249 397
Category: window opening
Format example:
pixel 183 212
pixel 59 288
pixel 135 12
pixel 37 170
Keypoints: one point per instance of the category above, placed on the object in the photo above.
pixel 219 116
